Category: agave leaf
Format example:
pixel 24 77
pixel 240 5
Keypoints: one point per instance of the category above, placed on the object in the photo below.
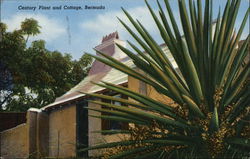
pixel 172 19
pixel 240 106
pixel 189 36
pixel 231 22
pixel 146 115
pixel 133 73
pixel 155 144
pixel 131 142
pixel 193 107
pixel 229 58
pixel 237 86
pixel 142 54
pixel 194 79
pixel 123 101
pixel 170 40
pixel 239 141
pixel 207 61
pixel 193 18
pixel 153 51
pixel 214 123
pixel 122 67
pixel 168 83
pixel 109 145
pixel 243 122
pixel 148 69
pixel 117 118
pixel 220 43
pixel 206 31
pixel 200 35
pixel 151 107
pixel 115 113
pixel 150 155
pixel 134 151
pixel 235 66
pixel 227 61
pixel 140 63
pixel 222 31
pixel 175 49
pixel 178 81
pixel 242 26
pixel 111 132
pixel 241 95
pixel 159 51
pixel 168 31
pixel 170 70
pixel 139 97
pixel 209 65
pixel 118 65
pixel 215 43
pixel 142 44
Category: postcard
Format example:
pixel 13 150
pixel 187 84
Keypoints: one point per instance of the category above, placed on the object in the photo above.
pixel 124 79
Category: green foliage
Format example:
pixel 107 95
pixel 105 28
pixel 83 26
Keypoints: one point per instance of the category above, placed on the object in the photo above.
pixel 30 27
pixel 210 118
pixel 36 75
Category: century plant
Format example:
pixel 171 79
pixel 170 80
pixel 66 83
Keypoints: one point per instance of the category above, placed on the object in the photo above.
pixel 210 87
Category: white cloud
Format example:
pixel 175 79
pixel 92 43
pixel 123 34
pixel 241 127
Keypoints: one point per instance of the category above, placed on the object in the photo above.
pixel 106 23
pixel 51 28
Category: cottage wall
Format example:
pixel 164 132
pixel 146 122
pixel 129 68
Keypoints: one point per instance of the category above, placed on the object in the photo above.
pixel 62 132
pixel 134 84
pixel 95 124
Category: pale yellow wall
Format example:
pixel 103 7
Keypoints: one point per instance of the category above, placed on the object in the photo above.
pixel 95 124
pixel 62 132
pixel 133 84
pixel 14 142
pixel 151 92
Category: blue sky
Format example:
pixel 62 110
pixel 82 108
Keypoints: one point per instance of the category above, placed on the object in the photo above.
pixel 87 27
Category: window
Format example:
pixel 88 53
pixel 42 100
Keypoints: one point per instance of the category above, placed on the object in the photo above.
pixel 114 125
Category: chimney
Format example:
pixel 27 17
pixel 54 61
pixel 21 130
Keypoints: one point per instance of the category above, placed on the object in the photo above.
pixel 108 47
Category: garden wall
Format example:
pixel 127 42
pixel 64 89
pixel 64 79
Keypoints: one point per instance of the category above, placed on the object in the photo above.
pixel 23 140
pixel 14 142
